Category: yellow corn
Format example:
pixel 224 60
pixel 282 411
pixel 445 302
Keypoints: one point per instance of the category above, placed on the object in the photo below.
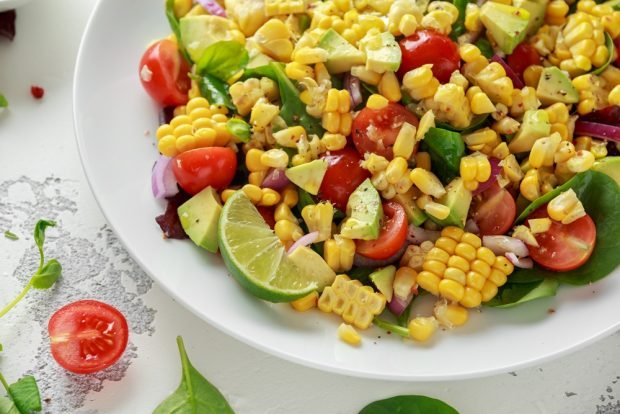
pixel 273 38
pixel 274 158
pixel 614 96
pixel 253 160
pixel 472 18
pixel 405 141
pixel 290 196
pixel 306 303
pixel 426 122
pixel 287 230
pixel 439 211
pixel 427 182
pixel 289 137
pixel 566 207
pixel 530 186
pixel 532 74
pixel 408 24
pixel 422 328
pixel 524 234
pixel 389 87
pixel 450 315
pixel 377 102
pixel 225 195
pixel 423 160
pixel 581 161
pixel 348 334
pixel 339 253
pixel 598 148
pixel 543 151
pixel 368 76
pixel 539 225
pixel 269 197
pixel 319 217
pixel 420 82
pixel 254 192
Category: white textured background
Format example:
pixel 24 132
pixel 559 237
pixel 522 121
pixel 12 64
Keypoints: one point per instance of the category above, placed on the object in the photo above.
pixel 40 176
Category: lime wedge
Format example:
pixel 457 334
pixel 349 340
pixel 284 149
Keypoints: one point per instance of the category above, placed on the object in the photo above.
pixel 255 256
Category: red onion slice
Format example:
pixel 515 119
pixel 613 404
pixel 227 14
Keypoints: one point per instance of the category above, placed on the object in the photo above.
pixel 398 305
pixel 597 130
pixel 213 7
pixel 276 180
pixel 163 181
pixel 505 244
pixel 305 240
pixel 352 84
pixel 523 263
pixel 471 226
pixel 516 80
pixel 495 171
pixel 417 235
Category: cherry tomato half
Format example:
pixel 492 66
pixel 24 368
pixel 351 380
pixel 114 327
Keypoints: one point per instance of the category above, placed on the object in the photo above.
pixel 87 336
pixel 344 174
pixel 564 246
pixel 202 167
pixel 165 73
pixel 267 213
pixel 429 46
pixel 523 56
pixel 494 211
pixel 375 130
pixel 392 236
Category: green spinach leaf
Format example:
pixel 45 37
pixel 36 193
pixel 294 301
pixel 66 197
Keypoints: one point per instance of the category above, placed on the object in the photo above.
pixel 265 71
pixel 408 404
pixel 174 26
pixel 293 110
pixel 39 236
pixel 223 60
pixel 47 275
pixel 239 128
pixel 3 101
pixel 485 47
pixel 609 44
pixel 215 91
pixel 600 196
pixel 446 149
pixel 10 235
pixel 7 406
pixel 195 394
pixel 513 294
pixel 24 396
pixel 458 28
pixel 477 122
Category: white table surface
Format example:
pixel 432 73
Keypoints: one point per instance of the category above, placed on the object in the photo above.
pixel 41 176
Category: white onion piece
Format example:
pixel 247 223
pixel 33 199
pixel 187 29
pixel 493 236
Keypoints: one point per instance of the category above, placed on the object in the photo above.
pixel 504 244
pixel 305 240
pixel 276 180
pixel 398 305
pixel 417 235
pixel 213 7
pixel 163 181
pixel 471 227
pixel 523 263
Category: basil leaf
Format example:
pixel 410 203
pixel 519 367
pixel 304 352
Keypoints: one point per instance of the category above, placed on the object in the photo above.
pixel 600 196
pixel 39 235
pixel 293 110
pixel 174 26
pixel 25 395
pixel 458 28
pixel 512 294
pixel 476 123
pixel 47 275
pixel 239 128
pixel 446 149
pixel 265 71
pixel 215 91
pixel 7 406
pixel 10 235
pixel 195 394
pixel 485 47
pixel 361 273
pixel 223 59
pixel 408 404
pixel 3 102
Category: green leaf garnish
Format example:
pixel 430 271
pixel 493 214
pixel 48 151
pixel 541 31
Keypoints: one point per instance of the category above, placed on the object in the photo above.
pixel 239 128
pixel 10 235
pixel 408 404
pixel 513 294
pixel 215 91
pixel 24 396
pixel 3 101
pixel 223 60
pixel 174 26
pixel 609 43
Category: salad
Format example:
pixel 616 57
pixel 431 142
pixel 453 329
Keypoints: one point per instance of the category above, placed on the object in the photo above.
pixel 353 155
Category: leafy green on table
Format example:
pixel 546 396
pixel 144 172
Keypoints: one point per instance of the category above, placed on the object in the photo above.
pixel 446 149
pixel 3 101
pixel 48 272
pixel 10 235
pixel 408 404
pixel 174 26
pixel 195 394
pixel 23 396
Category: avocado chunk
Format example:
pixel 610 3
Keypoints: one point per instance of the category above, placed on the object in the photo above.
pixel 554 86
pixel 535 125
pixel 614 4
pixel 306 258
pixel 384 281
pixel 200 32
pixel 199 216
pixel 364 213
pixel 609 166
pixel 308 176
pixel 537 9
pixel 382 53
pixel 341 55
pixel 458 200
pixel 506 24
pixel 415 216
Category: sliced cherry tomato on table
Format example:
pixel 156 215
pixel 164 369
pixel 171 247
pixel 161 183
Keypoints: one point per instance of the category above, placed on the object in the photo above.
pixel 344 174
pixel 392 236
pixel 165 73
pixel 202 167
pixel 375 130
pixel 87 336
pixel 494 210
pixel 523 56
pixel 564 246
pixel 429 46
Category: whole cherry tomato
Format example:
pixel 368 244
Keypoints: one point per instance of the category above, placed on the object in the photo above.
pixel 165 73
pixel 202 167
pixel 429 46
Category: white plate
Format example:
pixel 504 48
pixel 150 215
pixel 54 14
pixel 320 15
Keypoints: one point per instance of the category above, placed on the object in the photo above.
pixel 112 117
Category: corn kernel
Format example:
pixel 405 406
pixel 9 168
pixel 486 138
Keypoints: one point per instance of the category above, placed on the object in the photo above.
pixel 429 282
pixel 306 303
pixel 450 315
pixel 454 274
pixel 488 291
pixel 427 182
pixel 451 290
pixel 422 328
pixel 348 334
pixel 376 102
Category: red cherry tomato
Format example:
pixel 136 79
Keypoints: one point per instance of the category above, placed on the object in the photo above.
pixel 344 174
pixel 165 73
pixel 523 56
pixel 202 167
pixel 564 246
pixel 494 211
pixel 429 46
pixel 392 236
pixel 375 130
pixel 87 336
pixel 267 213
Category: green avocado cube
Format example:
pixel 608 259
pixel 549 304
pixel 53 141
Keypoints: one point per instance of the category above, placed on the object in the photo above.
pixel 341 55
pixel 535 125
pixel 554 86
pixel 458 200
pixel 199 217
pixel 308 176
pixel 507 25
pixel 364 213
